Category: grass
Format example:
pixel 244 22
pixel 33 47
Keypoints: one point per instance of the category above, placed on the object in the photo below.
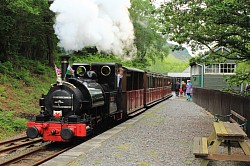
pixel 21 84
pixel 122 147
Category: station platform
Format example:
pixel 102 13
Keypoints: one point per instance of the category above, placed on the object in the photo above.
pixel 162 135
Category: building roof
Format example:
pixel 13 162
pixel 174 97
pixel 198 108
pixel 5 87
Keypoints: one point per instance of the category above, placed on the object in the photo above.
pixel 185 73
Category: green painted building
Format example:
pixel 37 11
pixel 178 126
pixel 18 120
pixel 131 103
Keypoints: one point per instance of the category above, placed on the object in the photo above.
pixel 212 76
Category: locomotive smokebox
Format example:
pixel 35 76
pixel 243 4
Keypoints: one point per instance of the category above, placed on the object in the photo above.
pixel 64 65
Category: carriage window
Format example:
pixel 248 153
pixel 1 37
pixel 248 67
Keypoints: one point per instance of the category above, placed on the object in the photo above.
pixel 129 81
pixel 141 79
pixel 150 82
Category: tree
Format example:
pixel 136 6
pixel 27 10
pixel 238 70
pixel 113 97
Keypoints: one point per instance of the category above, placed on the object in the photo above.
pixel 209 24
pixel 25 29
pixel 149 42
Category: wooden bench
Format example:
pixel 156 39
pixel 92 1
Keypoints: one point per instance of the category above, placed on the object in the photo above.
pixel 224 132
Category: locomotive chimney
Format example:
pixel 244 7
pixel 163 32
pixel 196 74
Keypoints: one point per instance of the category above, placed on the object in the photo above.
pixel 64 65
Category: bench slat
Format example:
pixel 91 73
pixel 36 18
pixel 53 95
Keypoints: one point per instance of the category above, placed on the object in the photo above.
pixel 238 116
pixel 234 130
pixel 217 128
pixel 222 128
pixel 204 149
pixel 196 149
pixel 200 146
pixel 232 120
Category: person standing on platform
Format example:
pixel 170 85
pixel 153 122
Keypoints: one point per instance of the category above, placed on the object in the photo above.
pixel 119 90
pixel 189 90
pixel 183 86
pixel 177 88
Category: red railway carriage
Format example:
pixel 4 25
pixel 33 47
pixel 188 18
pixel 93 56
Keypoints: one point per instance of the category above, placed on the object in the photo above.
pixel 157 87
pixel 143 88
pixel 78 104
pixel 133 90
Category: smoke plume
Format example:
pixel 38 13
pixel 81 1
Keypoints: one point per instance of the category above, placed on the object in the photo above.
pixel 102 23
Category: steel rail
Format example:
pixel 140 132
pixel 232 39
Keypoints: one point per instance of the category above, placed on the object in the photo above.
pixel 20 156
pixel 12 140
pixel 13 144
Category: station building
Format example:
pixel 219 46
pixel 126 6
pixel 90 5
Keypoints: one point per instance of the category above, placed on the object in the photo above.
pixel 213 76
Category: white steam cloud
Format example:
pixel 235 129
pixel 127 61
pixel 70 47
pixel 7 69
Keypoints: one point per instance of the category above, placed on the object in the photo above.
pixel 102 23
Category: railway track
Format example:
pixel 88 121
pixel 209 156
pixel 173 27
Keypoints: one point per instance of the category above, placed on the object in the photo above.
pixel 17 143
pixel 26 152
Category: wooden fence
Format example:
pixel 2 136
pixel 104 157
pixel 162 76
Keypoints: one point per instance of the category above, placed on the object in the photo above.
pixel 218 102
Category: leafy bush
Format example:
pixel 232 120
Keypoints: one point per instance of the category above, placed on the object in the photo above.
pixel 19 124
pixel 10 124
pixel 2 93
pixel 40 68
pixel 24 75
pixel 6 67
pixel 1 89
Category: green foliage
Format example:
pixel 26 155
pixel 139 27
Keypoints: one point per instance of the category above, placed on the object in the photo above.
pixel 19 124
pixel 40 68
pixel 21 69
pixel 97 57
pixel 2 93
pixel 242 76
pixel 6 67
pixel 10 124
pixel 25 29
pixel 25 5
pixel 149 43
pixel 209 24
pixel 140 63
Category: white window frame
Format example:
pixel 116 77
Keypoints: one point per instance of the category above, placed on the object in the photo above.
pixel 195 70
pixel 218 68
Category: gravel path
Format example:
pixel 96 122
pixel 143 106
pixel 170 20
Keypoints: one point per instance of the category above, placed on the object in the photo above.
pixel 163 137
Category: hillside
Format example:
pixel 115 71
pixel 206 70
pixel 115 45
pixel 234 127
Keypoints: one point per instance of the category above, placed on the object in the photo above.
pixel 21 84
pixel 169 64
pixel 180 54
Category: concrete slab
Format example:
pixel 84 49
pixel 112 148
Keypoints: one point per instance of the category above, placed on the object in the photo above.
pixel 59 160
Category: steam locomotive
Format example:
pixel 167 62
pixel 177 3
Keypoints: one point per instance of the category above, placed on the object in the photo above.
pixel 77 105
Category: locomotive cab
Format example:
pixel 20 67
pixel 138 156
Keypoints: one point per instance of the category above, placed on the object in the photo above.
pixel 106 77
